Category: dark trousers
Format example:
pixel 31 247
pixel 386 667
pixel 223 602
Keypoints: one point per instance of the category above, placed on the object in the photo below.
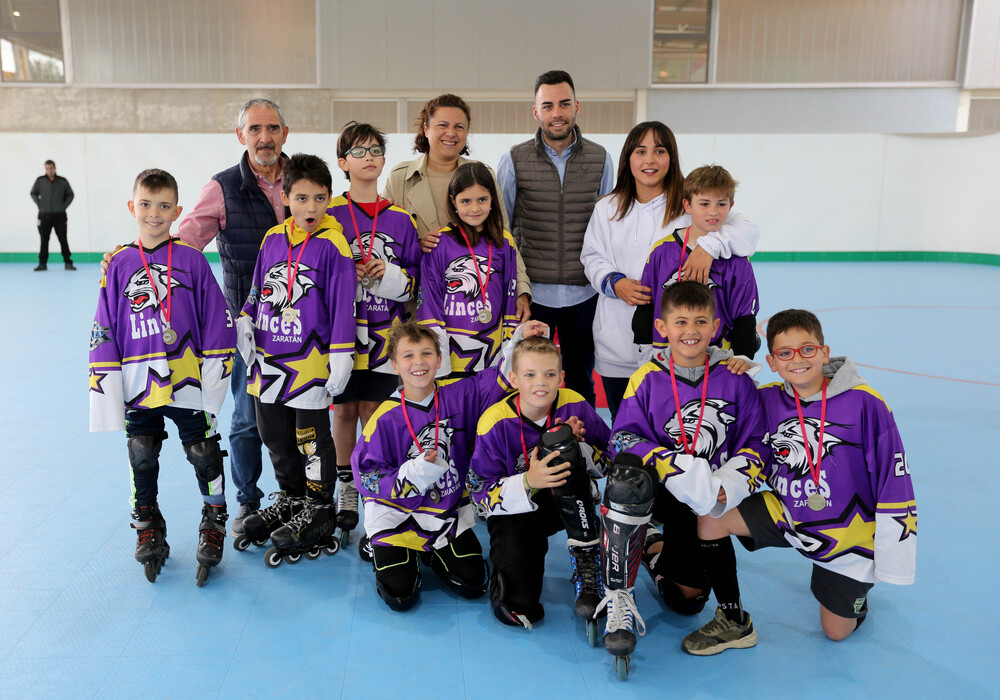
pixel 46 222
pixel 614 391
pixel 301 447
pixel 575 326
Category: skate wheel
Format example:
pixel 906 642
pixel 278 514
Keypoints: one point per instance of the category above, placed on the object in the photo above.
pixel 166 553
pixel 313 554
pixel 293 558
pixel 261 541
pixel 241 543
pixel 202 575
pixel 332 548
pixel 592 633
pixel 272 558
pixel 622 664
pixel 151 569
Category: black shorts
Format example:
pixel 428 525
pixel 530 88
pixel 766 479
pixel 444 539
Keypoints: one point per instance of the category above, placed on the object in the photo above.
pixel 681 560
pixel 841 595
pixel 366 385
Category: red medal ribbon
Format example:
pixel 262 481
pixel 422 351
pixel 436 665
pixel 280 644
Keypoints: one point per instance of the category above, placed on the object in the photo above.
pixel 164 308
pixel 357 232
pixel 437 421
pixel 813 470
pixel 524 446
pixel 689 448
pixel 292 273
pixel 684 249
pixel 475 262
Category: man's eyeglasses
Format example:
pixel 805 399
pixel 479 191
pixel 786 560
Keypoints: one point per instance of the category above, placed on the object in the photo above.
pixel 806 351
pixel 359 151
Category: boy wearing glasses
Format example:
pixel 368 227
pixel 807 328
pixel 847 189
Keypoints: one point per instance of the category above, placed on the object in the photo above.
pixel 842 495
pixel 386 250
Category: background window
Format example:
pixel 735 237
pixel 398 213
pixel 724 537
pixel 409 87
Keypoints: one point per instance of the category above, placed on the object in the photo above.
pixel 31 45
pixel 681 31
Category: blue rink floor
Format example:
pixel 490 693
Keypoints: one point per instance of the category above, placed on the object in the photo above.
pixel 79 620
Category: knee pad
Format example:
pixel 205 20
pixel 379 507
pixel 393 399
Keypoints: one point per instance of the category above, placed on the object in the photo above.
pixel 461 565
pixel 397 576
pixel 206 456
pixel 144 452
pixel 574 498
pixel 507 613
pixel 628 505
pixel 677 602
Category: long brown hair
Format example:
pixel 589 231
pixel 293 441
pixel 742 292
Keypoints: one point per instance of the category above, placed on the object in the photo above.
pixel 673 184
pixel 468 175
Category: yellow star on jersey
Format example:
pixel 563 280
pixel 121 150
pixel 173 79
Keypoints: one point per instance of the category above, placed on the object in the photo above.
pixel 185 367
pixel 313 366
pixel 857 533
pixel 227 367
pixel 909 522
pixel 495 498
pixel 409 540
pixel 159 394
pixel 664 464
pixel 95 381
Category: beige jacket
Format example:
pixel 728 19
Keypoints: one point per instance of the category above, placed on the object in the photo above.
pixel 408 188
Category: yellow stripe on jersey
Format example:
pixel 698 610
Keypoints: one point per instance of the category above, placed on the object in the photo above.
pixel 97 365
pixel 494 414
pixel 383 408
pixel 768 386
pixel 868 390
pixel 142 358
pixel 636 379
pixel 665 239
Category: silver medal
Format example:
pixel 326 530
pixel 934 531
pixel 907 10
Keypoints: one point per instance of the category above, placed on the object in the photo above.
pixel 816 502
pixel 289 314
pixel 367 282
pixel 169 336
pixel 485 316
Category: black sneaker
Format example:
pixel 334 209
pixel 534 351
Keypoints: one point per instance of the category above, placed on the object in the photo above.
pixel 41 267
pixel 70 266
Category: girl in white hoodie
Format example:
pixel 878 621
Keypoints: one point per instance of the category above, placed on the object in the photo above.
pixel 645 205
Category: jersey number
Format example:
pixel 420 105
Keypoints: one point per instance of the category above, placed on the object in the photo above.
pixel 902 468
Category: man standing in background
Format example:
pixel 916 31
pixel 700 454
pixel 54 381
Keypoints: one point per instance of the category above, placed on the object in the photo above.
pixel 52 194
pixel 551 184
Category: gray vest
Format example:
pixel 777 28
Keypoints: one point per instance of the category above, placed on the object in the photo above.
pixel 550 219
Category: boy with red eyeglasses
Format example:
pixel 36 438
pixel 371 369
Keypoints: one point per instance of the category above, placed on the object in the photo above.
pixel 842 495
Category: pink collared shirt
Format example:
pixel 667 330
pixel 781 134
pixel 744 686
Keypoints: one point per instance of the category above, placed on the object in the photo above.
pixel 208 217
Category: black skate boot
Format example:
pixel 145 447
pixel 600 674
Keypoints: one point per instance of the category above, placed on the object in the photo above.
pixel 587 577
pixel 211 539
pixel 310 532
pixel 151 548
pixel 623 623
pixel 347 507
pixel 258 526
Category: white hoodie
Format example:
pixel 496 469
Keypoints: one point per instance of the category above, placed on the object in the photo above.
pixel 623 246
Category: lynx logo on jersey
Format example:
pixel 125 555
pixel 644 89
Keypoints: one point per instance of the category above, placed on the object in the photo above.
pixel 460 276
pixel 789 448
pixel 713 427
pixel 425 436
pixel 274 289
pixel 142 294
pixel 710 283
pixel 99 335
pixel 380 247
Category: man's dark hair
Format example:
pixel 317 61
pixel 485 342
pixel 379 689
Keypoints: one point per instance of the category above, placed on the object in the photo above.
pixel 554 77
pixel 793 318
pixel 688 295
pixel 155 180
pixel 303 166
pixel 51 162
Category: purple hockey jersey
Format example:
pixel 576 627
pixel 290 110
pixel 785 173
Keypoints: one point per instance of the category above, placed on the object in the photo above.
pixel 131 366
pixel 731 280
pixel 729 439
pixel 303 361
pixel 868 530
pixel 378 307
pixel 495 481
pixel 403 507
pixel 451 298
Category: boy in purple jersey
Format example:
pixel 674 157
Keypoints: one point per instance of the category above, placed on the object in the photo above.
pixel 296 333
pixel 708 197
pixel 842 494
pixel 411 469
pixel 533 481
pixel 162 347
pixel 386 249
pixel 690 424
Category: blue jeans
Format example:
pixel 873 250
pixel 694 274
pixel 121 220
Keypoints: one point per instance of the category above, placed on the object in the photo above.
pixel 244 441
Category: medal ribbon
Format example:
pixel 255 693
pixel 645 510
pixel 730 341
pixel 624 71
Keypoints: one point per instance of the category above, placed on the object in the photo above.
pixel 292 273
pixel 413 434
pixel 357 232
pixel 813 470
pixel 475 262
pixel 689 448
pixel 684 249
pixel 524 446
pixel 164 308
